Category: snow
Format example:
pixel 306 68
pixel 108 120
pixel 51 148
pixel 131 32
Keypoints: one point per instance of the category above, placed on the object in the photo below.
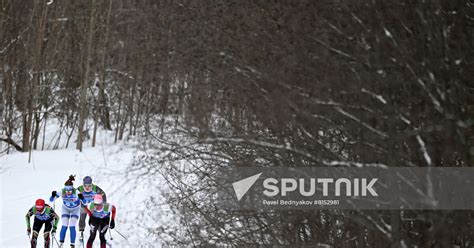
pixel 387 33
pixel 376 96
pixel 108 164
pixel 426 155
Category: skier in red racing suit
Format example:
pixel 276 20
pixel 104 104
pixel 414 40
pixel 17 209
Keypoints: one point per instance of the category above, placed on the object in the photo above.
pixel 100 215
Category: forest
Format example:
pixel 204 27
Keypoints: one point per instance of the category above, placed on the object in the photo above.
pixel 210 84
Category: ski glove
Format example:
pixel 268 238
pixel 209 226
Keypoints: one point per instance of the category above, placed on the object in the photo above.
pixel 53 231
pixel 112 224
pixel 80 196
pixel 54 194
pixel 28 231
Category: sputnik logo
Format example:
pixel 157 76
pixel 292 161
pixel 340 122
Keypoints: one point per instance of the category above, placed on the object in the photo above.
pixel 241 187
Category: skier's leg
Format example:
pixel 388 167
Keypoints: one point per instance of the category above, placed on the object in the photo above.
pixel 82 224
pixel 34 239
pixel 72 230
pixel 82 220
pixel 37 224
pixel 72 225
pixel 104 225
pixel 94 226
pixel 65 223
pixel 47 229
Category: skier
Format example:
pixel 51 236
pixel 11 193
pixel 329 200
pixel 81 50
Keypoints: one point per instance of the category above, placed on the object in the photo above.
pixel 44 214
pixel 70 210
pixel 88 190
pixel 100 215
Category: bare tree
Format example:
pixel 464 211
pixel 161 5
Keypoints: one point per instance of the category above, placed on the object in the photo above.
pixel 214 83
pixel 85 81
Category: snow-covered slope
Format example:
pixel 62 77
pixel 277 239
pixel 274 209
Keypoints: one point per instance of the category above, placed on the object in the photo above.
pixel 22 183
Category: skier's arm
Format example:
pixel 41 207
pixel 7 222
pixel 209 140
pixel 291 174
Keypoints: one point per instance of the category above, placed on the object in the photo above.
pixel 112 222
pixel 82 199
pixel 27 217
pixel 56 219
pixel 113 212
pixel 102 192
pixel 54 196
pixel 88 211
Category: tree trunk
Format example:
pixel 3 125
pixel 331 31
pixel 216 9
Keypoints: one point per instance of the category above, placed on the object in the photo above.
pixel 118 117
pixel 44 129
pixel 101 103
pixel 85 81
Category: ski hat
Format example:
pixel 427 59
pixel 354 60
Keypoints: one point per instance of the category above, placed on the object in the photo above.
pixel 87 180
pixel 98 200
pixel 39 204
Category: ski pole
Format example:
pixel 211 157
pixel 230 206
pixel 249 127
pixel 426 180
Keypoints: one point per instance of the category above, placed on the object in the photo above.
pixel 56 241
pixel 110 234
pixel 120 234
pixel 82 237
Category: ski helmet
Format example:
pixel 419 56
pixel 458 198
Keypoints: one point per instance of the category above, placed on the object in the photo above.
pixel 87 180
pixel 98 200
pixel 39 204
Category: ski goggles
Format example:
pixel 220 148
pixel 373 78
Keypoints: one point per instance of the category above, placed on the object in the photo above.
pixel 68 188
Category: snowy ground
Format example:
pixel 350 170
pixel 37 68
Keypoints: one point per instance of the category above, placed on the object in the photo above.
pixel 22 183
